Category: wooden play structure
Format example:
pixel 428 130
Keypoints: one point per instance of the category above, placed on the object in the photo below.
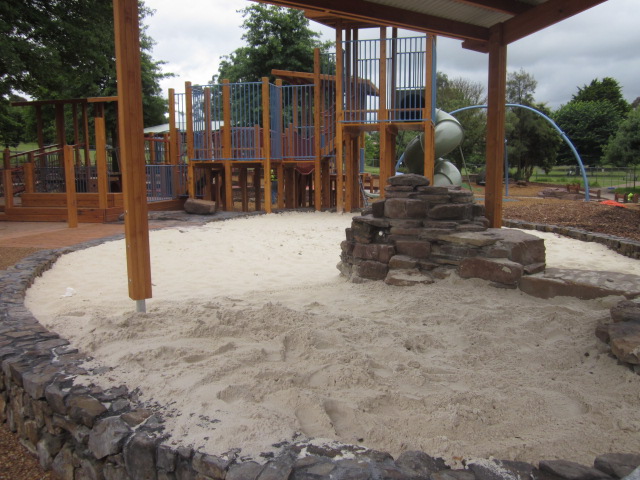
pixel 299 136
pixel 81 182
pixel 294 143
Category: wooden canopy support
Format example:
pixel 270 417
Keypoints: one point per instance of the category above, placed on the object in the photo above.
pixel 130 122
pixel 495 127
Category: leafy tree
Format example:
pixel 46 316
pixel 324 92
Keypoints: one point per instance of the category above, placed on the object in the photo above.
pixel 12 125
pixel 456 93
pixel 57 50
pixel 608 89
pixel 591 118
pixel 589 125
pixel 276 37
pixel 531 141
pixel 624 147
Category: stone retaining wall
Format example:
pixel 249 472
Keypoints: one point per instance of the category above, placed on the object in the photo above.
pixel 89 433
pixel 623 246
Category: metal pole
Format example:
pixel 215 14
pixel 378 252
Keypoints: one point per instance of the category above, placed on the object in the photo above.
pixel 141 306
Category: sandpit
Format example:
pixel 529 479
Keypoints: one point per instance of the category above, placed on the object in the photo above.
pixel 252 338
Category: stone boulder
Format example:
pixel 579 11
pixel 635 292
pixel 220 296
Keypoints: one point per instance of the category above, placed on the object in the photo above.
pixel 200 207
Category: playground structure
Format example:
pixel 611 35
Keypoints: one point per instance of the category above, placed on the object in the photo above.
pixel 298 136
pixel 81 182
pixel 234 143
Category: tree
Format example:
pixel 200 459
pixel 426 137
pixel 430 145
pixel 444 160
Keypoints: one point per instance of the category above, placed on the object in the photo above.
pixel 591 118
pixel 531 141
pixel 624 147
pixel 57 49
pixel 589 125
pixel 456 93
pixel 606 90
pixel 276 37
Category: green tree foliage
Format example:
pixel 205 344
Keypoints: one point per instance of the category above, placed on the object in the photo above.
pixel 455 93
pixel 607 89
pixel 276 37
pixel 624 147
pixel 531 141
pixel 58 49
pixel 591 118
pixel 589 125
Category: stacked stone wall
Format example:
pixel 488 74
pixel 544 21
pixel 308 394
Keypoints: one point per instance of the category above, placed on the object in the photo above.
pixel 419 233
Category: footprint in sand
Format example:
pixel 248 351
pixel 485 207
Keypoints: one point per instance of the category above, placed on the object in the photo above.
pixel 314 421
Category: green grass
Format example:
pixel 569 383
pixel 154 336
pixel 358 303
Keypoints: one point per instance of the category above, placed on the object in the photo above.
pixel 627 190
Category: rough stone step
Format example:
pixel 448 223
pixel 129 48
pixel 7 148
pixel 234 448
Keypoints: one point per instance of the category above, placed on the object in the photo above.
pixel 582 284
pixel 407 278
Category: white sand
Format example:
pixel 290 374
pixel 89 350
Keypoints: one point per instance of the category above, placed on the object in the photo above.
pixel 252 338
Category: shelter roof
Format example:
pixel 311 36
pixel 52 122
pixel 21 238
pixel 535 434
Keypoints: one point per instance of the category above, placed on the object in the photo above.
pixel 472 21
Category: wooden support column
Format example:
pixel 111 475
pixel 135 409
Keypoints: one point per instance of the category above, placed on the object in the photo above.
pixel 85 135
pixel 208 134
pixel 339 120
pixel 130 123
pixel 70 186
pixel 7 179
pixel 495 126
pixel 242 180
pixel 226 145
pixel 76 133
pixel 383 112
pixel 101 155
pixel 317 129
pixel 29 178
pixel 266 145
pixel 429 125
pixel 173 148
pixel 188 106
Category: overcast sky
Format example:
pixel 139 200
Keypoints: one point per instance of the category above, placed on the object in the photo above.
pixel 604 41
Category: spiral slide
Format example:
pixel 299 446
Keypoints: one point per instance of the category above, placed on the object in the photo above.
pixel 448 136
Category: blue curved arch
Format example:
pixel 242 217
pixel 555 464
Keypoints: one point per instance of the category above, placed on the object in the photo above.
pixel 555 126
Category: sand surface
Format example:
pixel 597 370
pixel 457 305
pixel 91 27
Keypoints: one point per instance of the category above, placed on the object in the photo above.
pixel 253 338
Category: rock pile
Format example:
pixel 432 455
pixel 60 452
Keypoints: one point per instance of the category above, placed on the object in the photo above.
pixel 420 233
pixel 623 333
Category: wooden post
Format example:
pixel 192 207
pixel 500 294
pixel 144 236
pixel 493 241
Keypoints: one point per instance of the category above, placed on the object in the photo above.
pixel 226 145
pixel 317 129
pixel 130 123
pixel 429 125
pixel 7 179
pixel 85 135
pixel 29 180
pixel 244 192
pixel 339 120
pixel 76 133
pixel 101 155
pixel 208 145
pixel 383 112
pixel 173 149
pixel 495 126
pixel 266 142
pixel 70 186
pixel 188 96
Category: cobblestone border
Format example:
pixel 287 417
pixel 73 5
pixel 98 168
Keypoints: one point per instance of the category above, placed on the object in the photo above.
pixel 623 246
pixel 89 433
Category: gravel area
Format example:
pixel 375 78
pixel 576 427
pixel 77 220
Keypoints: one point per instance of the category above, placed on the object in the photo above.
pixel 522 204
